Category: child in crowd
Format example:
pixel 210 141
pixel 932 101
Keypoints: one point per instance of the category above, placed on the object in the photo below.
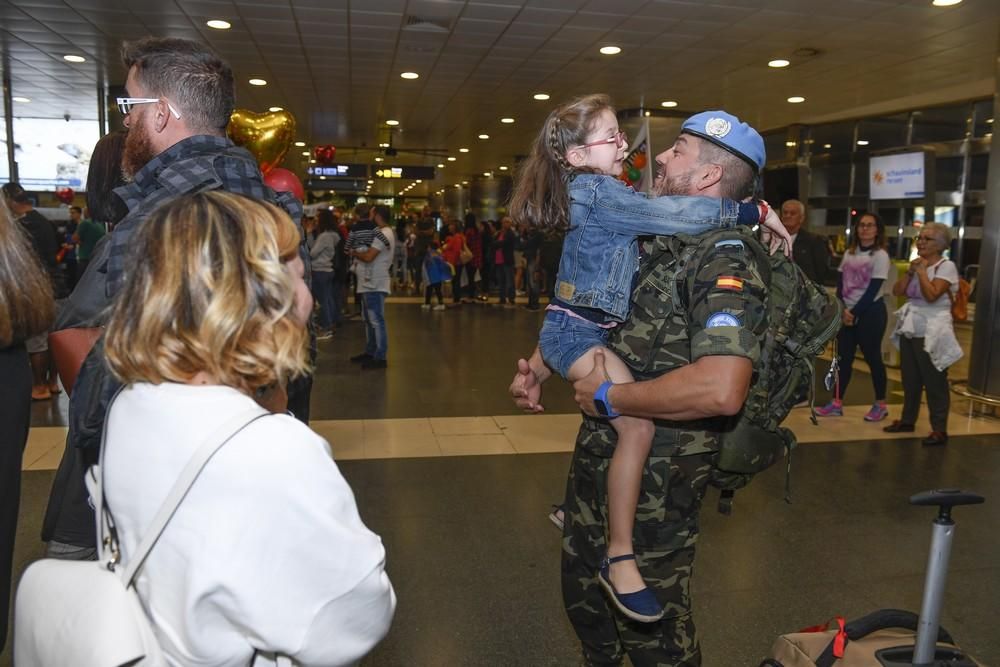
pixel 569 181
pixel 436 272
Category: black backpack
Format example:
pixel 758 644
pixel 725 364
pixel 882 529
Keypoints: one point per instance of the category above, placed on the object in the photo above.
pixel 802 318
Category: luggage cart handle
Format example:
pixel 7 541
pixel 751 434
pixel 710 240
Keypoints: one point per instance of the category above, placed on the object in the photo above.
pixel 945 499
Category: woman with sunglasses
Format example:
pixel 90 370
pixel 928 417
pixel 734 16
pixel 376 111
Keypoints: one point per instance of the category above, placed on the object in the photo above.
pixel 570 182
pixel 863 272
pixel 924 333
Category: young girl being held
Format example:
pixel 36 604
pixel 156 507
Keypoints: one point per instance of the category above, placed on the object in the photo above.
pixel 569 181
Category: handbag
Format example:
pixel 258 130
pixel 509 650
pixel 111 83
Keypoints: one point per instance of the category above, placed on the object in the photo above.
pixel 87 613
pixel 69 347
pixel 466 255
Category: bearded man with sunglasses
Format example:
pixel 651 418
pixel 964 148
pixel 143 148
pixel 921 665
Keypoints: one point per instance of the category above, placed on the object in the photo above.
pixel 179 96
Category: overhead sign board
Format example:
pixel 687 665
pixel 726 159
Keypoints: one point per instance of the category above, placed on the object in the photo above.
pixel 340 171
pixel 900 176
pixel 408 172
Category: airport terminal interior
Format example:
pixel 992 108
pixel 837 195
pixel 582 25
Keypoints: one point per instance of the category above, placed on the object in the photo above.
pixel 435 103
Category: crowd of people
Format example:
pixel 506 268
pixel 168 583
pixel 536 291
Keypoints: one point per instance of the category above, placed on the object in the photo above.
pixel 209 303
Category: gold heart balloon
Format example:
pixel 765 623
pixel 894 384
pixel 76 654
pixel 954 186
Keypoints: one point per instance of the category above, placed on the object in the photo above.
pixel 266 135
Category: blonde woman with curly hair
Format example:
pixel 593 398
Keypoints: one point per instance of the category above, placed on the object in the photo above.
pixel 267 553
pixel 26 310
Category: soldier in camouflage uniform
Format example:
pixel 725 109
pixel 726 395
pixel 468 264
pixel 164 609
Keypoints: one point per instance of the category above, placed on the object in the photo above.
pixel 691 340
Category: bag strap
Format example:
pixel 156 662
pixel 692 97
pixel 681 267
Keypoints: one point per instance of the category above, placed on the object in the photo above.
pixel 212 444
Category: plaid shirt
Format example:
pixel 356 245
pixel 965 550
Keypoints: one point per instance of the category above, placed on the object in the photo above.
pixel 196 164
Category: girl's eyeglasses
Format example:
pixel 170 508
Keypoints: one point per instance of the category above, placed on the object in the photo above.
pixel 618 139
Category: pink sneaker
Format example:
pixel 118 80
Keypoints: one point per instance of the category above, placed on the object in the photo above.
pixel 831 409
pixel 877 413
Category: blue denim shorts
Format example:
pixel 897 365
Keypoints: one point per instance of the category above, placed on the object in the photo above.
pixel 565 338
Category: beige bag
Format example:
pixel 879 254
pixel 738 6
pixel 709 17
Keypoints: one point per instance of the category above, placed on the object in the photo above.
pixel 881 639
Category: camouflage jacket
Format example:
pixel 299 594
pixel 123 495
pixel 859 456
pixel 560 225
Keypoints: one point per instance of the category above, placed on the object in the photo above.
pixel 680 313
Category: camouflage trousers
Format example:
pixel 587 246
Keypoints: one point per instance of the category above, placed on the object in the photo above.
pixel 666 532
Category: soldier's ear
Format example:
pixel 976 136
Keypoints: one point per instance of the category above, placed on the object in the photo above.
pixel 710 175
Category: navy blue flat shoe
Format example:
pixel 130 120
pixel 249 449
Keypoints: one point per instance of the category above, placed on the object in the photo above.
pixel 640 606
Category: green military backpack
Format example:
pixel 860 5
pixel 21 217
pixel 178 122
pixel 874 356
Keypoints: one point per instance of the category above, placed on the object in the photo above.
pixel 802 318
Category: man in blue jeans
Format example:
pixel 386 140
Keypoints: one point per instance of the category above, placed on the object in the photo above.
pixel 374 282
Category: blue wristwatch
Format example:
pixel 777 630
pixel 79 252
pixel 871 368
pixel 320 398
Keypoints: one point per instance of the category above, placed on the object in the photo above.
pixel 602 403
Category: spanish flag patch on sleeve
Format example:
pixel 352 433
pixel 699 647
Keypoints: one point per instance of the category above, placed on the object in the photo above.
pixel 729 282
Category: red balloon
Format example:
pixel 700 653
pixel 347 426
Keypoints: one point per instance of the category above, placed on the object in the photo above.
pixel 65 195
pixel 325 154
pixel 280 179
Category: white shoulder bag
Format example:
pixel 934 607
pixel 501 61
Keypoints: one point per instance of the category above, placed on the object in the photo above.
pixel 87 613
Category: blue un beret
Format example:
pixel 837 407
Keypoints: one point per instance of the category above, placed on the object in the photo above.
pixel 729 132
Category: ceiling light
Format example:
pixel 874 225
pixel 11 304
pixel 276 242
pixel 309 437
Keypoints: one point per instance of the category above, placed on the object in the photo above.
pixel 370 182
pixel 611 50
pixel 458 185
pixel 508 121
pixel 452 159
pixel 410 75
pixel 484 136
pixel 258 82
pixel 300 144
pixel 74 59
pixel 312 161
pixel 418 181
pixel 463 150
pixel 647 114
pixel 503 168
pixel 778 62
pixel 465 182
pixel 487 174
pixel 670 104
pixel 440 166
pixel 383 145
pixel 20 99
pixel 827 145
pixel 378 159
pixel 989 121
pixel 790 143
pixel 306 153
pixel 219 24
pixel 945 3
pixel 392 123
pixel 796 99
pixel 276 108
pixel 862 142
pixel 541 96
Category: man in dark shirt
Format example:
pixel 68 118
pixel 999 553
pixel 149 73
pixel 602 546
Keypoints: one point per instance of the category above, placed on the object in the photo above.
pixel 810 251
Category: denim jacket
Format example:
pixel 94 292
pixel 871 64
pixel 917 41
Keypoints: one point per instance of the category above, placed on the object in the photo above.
pixel 601 255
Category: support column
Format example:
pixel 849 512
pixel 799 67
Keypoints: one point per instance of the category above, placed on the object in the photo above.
pixel 8 117
pixel 984 365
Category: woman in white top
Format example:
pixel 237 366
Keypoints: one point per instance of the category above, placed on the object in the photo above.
pixel 267 554
pixel 863 271
pixel 926 337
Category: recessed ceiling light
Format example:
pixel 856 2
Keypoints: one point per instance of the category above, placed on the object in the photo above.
pixel 452 159
pixel 74 59
pixel 392 123
pixel 370 182
pixel 378 159
pixel 463 150
pixel 945 3
pixel 20 99
pixel 276 108
pixel 778 62
pixel 458 185
pixel 258 82
pixel 507 120
pixel 219 24
pixel 503 168
pixel 383 145
pixel 827 145
pixel 306 153
pixel 611 50
pixel 488 174
pixel 989 120
pixel 440 166
pixel 300 144
pixel 312 161
pixel 790 144
pixel 410 75
pixel 541 96
pixel 796 99
pixel 670 104
pixel 484 136
pixel 465 182
pixel 862 142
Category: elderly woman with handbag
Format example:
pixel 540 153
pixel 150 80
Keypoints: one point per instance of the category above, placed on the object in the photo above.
pixel 925 334
pixel 266 554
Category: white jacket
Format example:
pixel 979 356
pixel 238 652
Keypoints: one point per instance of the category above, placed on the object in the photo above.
pixel 267 551
pixel 940 342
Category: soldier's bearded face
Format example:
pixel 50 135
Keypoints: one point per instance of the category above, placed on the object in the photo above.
pixel 676 168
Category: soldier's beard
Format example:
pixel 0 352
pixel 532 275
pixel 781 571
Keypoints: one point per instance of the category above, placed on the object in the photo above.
pixel 674 185
pixel 138 150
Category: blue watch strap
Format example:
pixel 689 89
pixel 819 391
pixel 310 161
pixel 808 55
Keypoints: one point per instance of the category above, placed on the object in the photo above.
pixel 601 400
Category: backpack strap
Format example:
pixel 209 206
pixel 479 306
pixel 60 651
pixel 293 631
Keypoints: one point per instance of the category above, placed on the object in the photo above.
pixel 107 534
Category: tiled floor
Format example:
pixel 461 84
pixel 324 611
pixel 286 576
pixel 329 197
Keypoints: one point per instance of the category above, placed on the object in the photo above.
pixel 458 484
